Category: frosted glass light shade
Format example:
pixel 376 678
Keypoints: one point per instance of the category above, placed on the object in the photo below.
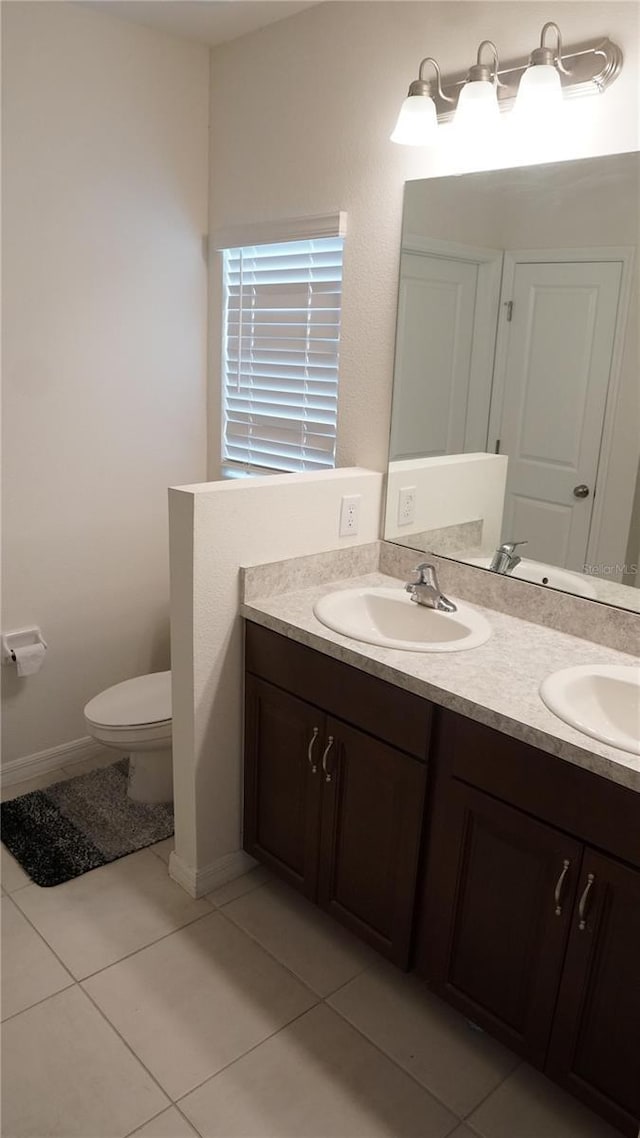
pixel 477 112
pixel 417 122
pixel 540 93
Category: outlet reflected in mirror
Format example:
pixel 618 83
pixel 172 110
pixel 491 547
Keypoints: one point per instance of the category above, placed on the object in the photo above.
pixel 516 404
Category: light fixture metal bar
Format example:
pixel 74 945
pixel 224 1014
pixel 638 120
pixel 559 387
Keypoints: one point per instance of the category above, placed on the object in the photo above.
pixel 593 66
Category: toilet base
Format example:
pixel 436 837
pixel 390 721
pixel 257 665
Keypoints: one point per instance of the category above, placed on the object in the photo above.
pixel 151 776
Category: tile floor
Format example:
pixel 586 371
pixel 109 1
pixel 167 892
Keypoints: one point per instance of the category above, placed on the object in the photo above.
pixel 131 1009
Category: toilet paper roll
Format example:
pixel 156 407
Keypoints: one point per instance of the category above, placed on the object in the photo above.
pixel 29 659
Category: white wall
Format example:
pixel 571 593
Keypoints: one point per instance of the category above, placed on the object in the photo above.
pixel 301 113
pixel 215 528
pixel 450 489
pixel 105 160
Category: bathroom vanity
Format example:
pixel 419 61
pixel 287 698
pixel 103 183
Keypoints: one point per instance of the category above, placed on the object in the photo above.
pixel 335 758
pixel 505 873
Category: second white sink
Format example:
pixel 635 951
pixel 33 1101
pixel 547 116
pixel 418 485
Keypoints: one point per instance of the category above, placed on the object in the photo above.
pixel 603 700
pixel 388 617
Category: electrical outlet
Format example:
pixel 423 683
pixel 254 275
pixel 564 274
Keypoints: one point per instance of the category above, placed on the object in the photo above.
pixel 406 505
pixel 349 515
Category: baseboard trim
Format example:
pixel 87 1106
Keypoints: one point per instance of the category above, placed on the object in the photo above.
pixel 65 755
pixel 198 882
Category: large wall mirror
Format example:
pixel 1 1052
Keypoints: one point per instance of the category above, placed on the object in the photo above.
pixel 516 400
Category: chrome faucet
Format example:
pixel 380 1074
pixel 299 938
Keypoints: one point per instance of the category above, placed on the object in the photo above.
pixel 426 590
pixel 505 557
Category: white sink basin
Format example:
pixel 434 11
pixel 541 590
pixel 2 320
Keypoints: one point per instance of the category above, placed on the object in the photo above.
pixel 540 574
pixel 389 617
pixel 603 700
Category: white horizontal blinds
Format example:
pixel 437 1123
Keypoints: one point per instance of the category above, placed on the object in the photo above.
pixel 280 361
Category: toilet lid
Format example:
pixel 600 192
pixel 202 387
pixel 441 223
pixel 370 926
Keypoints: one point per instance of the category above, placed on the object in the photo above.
pixel 145 699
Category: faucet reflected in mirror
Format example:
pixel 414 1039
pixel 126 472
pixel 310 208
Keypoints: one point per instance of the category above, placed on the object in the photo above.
pixel 515 403
pixel 505 558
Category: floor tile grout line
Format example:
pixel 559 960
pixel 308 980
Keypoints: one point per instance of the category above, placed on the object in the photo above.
pixel 305 983
pixel 187 1120
pixel 131 1051
pixel 319 1000
pixel 90 975
pixel 43 1000
pixel 451 1133
pixel 253 889
pixel 9 893
pixel 164 1110
pixel 238 1058
pixel 148 1122
pixel 341 987
pixel 472 1129
pixel 459 1118
pixel 175 1102
pixel 324 999
pixel 150 944
pixel 513 1070
pixel 50 947
pixel 81 980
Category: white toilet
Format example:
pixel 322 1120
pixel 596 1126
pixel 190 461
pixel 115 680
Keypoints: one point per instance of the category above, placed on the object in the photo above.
pixel 135 717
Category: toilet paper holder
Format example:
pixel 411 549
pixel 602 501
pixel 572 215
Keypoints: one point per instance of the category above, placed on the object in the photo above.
pixel 20 638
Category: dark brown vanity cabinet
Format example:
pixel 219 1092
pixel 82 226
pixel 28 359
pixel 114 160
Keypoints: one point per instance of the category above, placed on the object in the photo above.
pixel 514 890
pixel 335 810
pixel 595 1040
pixel 495 937
pixel 531 932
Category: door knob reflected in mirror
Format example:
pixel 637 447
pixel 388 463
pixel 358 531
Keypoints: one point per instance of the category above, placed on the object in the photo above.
pixel 581 491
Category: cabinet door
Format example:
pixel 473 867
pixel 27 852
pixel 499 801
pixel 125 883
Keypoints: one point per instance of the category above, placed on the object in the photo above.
pixel 595 1045
pixel 498 899
pixel 372 808
pixel 282 783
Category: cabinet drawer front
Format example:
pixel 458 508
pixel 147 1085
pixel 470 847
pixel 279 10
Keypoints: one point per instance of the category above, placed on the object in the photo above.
pixel 372 810
pixel 282 783
pixel 492 939
pixel 397 716
pixel 595 809
pixel 595 1046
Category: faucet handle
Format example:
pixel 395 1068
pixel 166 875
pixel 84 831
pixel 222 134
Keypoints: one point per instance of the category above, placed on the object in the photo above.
pixel 427 575
pixel 511 546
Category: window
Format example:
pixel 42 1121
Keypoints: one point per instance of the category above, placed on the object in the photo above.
pixel 281 338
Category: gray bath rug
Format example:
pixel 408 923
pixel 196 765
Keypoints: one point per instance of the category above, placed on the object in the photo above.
pixel 73 826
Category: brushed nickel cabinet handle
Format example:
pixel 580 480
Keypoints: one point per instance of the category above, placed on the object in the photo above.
pixel 324 759
pixel 312 744
pixel 582 907
pixel 557 896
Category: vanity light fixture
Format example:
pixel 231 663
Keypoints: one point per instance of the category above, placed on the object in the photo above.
pixel 540 88
pixel 418 120
pixel 547 75
pixel 477 108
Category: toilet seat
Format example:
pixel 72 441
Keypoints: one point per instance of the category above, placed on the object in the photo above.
pixel 133 707
pixel 129 739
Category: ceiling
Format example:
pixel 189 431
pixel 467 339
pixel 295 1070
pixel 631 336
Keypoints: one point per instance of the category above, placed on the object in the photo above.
pixel 208 21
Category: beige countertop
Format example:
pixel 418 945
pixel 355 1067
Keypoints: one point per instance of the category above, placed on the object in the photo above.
pixel 495 684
